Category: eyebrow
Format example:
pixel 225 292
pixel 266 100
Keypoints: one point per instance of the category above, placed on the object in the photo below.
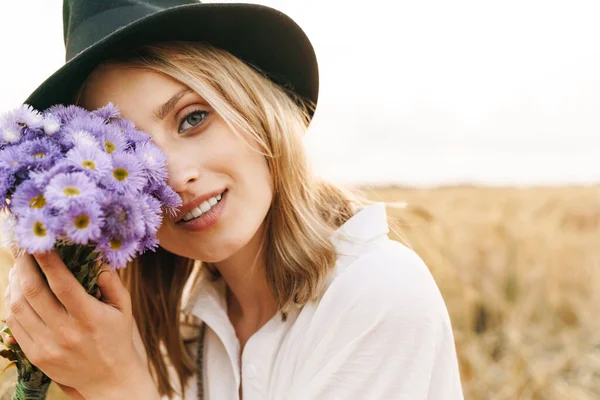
pixel 162 111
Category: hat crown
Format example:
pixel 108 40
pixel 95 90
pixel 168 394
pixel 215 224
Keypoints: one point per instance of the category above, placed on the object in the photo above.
pixel 85 21
pixel 98 30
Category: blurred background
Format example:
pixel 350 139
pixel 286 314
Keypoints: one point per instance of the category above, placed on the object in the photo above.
pixel 479 120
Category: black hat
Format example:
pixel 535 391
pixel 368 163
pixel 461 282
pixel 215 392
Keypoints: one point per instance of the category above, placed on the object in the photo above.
pixel 95 30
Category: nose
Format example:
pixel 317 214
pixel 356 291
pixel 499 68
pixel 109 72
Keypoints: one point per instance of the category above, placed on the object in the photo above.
pixel 182 172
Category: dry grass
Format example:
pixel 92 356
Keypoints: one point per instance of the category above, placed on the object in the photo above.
pixel 520 272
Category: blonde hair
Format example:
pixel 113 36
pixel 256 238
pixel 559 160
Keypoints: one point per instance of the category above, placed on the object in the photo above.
pixel 304 213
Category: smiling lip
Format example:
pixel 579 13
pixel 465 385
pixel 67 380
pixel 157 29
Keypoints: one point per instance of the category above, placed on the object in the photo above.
pixel 208 219
pixel 189 206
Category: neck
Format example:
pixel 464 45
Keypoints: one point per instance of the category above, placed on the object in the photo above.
pixel 249 297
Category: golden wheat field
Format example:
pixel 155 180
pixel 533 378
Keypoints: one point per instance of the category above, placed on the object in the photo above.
pixel 520 272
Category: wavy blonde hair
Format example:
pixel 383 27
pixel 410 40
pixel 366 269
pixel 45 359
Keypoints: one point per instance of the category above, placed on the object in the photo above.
pixel 304 213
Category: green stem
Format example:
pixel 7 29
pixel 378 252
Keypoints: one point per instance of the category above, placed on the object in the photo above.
pixel 23 391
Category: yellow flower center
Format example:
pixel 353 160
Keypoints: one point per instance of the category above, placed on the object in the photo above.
pixel 37 202
pixel 115 244
pixel 71 191
pixel 82 221
pixel 89 164
pixel 39 229
pixel 120 174
pixel 110 147
pixel 39 155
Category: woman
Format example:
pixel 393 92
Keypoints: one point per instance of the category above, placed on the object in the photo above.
pixel 299 294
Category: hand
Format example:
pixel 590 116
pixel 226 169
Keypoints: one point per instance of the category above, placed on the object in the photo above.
pixel 80 342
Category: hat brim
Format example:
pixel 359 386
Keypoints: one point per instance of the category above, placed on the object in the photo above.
pixel 259 35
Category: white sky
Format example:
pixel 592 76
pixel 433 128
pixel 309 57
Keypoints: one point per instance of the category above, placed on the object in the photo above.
pixel 414 92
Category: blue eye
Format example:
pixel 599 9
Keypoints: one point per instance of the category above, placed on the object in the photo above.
pixel 193 119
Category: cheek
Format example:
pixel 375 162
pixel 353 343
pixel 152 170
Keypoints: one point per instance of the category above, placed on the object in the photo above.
pixel 255 181
pixel 254 198
pixel 226 159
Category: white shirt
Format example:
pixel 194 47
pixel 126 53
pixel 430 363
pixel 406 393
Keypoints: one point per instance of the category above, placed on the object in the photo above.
pixel 381 330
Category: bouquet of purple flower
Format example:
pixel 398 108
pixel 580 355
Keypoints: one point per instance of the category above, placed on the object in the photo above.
pixel 87 184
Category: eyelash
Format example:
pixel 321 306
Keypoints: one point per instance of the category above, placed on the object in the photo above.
pixel 204 114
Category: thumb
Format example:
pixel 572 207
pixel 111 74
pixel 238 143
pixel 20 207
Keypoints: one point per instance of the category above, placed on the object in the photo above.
pixel 112 290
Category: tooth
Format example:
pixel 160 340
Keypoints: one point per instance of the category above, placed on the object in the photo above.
pixel 218 197
pixel 196 212
pixel 205 207
pixel 212 201
pixel 188 216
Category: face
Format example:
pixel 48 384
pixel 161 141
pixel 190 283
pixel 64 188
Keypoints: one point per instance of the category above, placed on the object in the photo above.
pixel 223 181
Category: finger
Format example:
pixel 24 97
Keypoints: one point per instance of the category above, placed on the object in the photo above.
pixel 64 285
pixel 7 291
pixel 22 311
pixel 19 334
pixel 37 292
pixel 112 289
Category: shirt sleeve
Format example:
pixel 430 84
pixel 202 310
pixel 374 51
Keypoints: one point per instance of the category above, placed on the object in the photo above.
pixel 381 331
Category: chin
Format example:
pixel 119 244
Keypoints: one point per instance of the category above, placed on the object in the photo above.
pixel 207 254
pixel 216 254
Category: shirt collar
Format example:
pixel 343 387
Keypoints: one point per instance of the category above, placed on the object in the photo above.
pixel 368 223
pixel 206 301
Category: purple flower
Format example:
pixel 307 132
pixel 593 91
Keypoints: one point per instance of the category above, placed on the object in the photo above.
pixel 127 174
pixel 10 132
pixel 52 124
pixel 151 213
pixel 169 198
pixel 88 123
pixel 113 140
pixel 82 223
pixel 148 242
pixel 10 157
pixel 38 153
pixel 131 133
pixel 91 160
pixel 152 216
pixel 78 138
pixel 43 178
pixel 68 188
pixel 66 113
pixel 117 251
pixel 73 176
pixel 7 180
pixel 35 231
pixel 14 168
pixel 153 160
pixel 26 196
pixel 27 116
pixel 31 134
pixel 123 217
pixel 108 113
